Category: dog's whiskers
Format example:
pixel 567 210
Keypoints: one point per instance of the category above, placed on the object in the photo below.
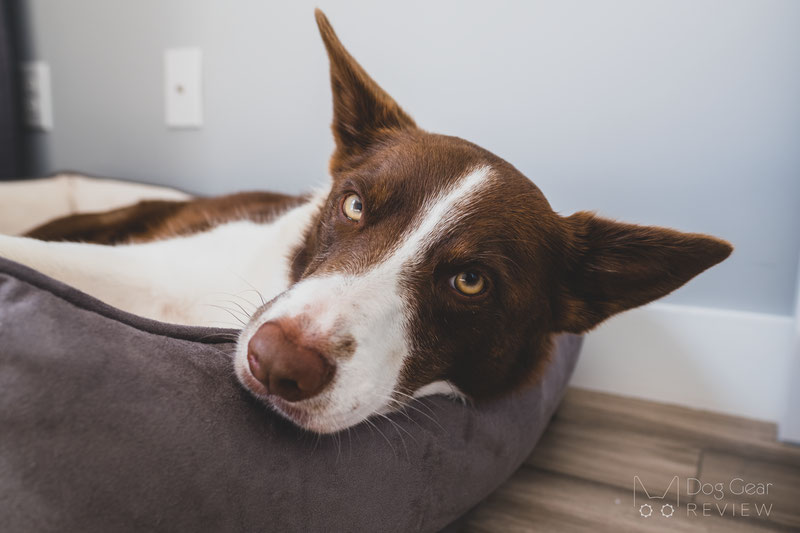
pixel 397 427
pixel 222 352
pixel 412 398
pixel 252 287
pixel 372 424
pixel 227 325
pixel 233 314
pixel 258 293
pixel 430 417
pixel 247 315
pixel 239 296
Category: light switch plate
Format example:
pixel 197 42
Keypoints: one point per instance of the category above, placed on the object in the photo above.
pixel 183 75
pixel 36 95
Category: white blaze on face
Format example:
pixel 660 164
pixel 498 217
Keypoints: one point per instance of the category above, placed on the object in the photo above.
pixel 439 216
pixel 370 308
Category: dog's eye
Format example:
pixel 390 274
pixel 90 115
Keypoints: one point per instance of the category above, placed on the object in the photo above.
pixel 352 207
pixel 468 283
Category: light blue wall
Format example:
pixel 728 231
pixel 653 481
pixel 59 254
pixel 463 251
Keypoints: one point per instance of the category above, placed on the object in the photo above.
pixel 678 113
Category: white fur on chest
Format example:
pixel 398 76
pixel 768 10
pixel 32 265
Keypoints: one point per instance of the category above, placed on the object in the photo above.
pixel 213 278
pixel 205 278
pixel 191 280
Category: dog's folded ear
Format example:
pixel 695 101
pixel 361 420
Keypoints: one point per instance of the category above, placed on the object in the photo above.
pixel 363 113
pixel 610 267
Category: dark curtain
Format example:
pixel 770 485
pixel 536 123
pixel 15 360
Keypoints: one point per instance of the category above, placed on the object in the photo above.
pixel 10 127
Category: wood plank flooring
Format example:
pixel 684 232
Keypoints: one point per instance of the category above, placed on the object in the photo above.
pixel 599 448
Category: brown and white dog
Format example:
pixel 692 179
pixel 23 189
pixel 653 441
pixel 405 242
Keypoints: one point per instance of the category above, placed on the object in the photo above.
pixel 428 265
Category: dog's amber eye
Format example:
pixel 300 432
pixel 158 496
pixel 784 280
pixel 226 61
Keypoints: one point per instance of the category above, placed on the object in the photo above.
pixel 468 283
pixel 352 207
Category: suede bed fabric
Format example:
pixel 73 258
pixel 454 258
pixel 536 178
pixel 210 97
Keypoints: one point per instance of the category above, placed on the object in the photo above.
pixel 111 422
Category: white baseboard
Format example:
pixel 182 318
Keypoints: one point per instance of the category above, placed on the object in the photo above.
pixel 789 424
pixel 727 361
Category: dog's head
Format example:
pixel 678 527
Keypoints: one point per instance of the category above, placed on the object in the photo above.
pixel 433 265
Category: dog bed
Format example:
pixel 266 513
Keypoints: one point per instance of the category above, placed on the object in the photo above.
pixel 25 204
pixel 112 422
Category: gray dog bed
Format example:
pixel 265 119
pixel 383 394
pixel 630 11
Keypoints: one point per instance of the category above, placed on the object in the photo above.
pixel 111 422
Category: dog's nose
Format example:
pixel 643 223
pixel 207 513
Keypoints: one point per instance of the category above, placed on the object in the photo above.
pixel 287 369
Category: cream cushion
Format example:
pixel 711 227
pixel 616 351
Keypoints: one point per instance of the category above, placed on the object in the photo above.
pixel 25 204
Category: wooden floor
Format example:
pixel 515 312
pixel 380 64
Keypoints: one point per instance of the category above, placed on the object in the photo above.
pixel 581 476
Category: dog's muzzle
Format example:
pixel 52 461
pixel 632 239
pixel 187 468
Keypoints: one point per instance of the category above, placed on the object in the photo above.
pixel 285 366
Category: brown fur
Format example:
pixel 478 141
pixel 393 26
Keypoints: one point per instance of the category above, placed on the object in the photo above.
pixel 151 220
pixel 545 273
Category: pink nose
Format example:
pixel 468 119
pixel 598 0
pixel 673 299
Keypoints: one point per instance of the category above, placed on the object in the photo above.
pixel 287 369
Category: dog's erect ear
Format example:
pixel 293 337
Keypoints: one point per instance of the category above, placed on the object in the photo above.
pixel 363 113
pixel 611 267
